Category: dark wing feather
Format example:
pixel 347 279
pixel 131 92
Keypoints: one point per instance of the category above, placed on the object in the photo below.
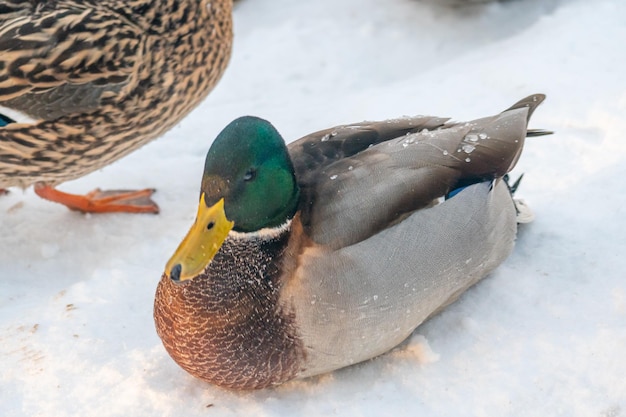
pixel 319 153
pixel 316 151
pixel 349 196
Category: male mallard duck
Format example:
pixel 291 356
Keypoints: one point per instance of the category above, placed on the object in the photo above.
pixel 329 251
pixel 98 79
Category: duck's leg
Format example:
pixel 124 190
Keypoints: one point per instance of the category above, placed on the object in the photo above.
pixel 98 201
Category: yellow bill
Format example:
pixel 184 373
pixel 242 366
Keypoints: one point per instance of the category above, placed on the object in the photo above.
pixel 202 242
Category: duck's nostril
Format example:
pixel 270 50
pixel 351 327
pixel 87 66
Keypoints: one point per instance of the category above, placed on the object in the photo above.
pixel 175 272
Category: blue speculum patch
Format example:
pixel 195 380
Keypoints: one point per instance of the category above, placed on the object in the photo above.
pixel 5 120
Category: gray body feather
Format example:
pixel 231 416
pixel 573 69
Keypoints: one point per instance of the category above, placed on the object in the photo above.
pixel 357 302
pixel 387 250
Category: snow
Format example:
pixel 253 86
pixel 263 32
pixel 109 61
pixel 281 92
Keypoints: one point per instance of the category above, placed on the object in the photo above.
pixel 544 335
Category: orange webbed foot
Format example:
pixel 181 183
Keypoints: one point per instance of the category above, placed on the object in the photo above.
pixel 98 201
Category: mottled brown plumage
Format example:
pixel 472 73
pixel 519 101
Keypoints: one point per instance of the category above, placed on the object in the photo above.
pixel 101 78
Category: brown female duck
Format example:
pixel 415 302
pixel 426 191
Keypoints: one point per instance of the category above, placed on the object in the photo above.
pixel 92 80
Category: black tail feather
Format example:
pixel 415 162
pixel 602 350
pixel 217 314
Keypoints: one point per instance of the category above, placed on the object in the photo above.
pixel 538 132
pixel 512 187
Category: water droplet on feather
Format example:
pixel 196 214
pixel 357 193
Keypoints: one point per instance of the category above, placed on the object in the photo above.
pixel 468 148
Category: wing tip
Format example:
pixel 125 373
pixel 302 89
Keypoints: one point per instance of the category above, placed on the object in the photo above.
pixel 531 102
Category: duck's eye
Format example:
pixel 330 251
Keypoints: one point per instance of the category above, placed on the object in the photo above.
pixel 210 225
pixel 249 175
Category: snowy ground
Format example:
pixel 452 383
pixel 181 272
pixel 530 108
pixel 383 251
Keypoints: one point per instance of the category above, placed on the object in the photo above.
pixel 545 335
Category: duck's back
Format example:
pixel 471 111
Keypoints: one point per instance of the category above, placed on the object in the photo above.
pixel 358 180
pixel 90 81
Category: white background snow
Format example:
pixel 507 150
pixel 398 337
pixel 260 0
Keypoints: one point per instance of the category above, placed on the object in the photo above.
pixel 545 335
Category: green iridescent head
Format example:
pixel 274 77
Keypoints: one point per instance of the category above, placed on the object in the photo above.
pixel 249 167
pixel 248 184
